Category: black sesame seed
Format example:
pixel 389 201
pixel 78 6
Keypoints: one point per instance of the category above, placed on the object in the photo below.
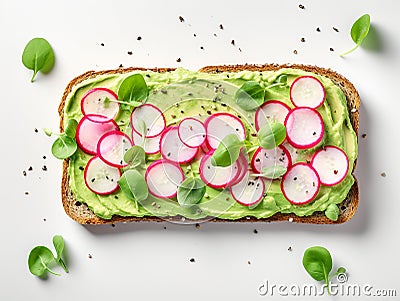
pixel 116 197
pixel 301 6
pixel 44 168
pixel 209 112
pixel 81 168
pixel 255 231
pixel 178 59
pixel 258 160
pixel 221 26
pixel 163 91
pixel 319 30
pixel 77 203
pixel 169 154
pixel 331 49
pixel 182 112
pixel 93 180
pixel 30 168
pixel 121 66
pixel 335 29
pixel 295 178
pixel 147 75
pixel 130 52
pixel 181 19
pixel 24 173
pixel 303 40
pixel 102 44
pixel 36 130
pixel 201 47
pixel 233 42
pixel 295 51
pixel 139 38
pixel 192 260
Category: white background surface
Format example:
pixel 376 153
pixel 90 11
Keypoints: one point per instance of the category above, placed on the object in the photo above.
pixel 144 261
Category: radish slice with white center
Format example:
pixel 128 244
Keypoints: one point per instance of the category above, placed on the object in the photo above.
pixel 93 103
pixel 304 127
pixel 271 111
pixel 100 177
pixel 151 146
pixel 243 169
pixel 217 176
pixel 112 147
pixel 192 132
pixel 249 191
pixel 219 125
pixel 300 184
pixel 331 164
pixel 152 117
pixel 89 132
pixel 173 149
pixel 163 178
pixel 307 91
pixel 265 158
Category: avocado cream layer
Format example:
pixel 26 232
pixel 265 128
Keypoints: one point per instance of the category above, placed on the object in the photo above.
pixel 182 93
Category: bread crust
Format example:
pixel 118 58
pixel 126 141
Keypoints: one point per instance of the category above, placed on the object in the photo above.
pixel 83 215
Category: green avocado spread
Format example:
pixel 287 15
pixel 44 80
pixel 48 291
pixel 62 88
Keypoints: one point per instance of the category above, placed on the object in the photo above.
pixel 183 93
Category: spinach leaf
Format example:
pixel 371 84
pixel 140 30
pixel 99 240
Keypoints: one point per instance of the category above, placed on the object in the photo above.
pixel 190 192
pixel 359 31
pixel 64 147
pixel 135 157
pixel 38 56
pixel 39 260
pixel 227 152
pixel 58 242
pixel 133 89
pixel 134 186
pixel 70 129
pixel 332 212
pixel 273 172
pixel 318 263
pixel 250 96
pixel 271 135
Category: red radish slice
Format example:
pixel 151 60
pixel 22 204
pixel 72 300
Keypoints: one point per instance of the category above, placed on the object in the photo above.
pixel 93 103
pixel 217 176
pixel 243 168
pixel 219 125
pixel 151 146
pixel 100 177
pixel 173 149
pixel 88 132
pixel 152 117
pixel 264 158
pixel 331 164
pixel 300 184
pixel 304 127
pixel 163 178
pixel 204 147
pixel 307 91
pixel 192 132
pixel 271 111
pixel 249 191
pixel 112 147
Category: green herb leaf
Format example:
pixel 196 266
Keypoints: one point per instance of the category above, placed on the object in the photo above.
pixel 135 157
pixel 70 129
pixel 227 152
pixel 282 79
pixel 58 242
pixel 134 186
pixel 318 263
pixel 38 56
pixel 271 135
pixel 190 192
pixel 273 172
pixel 64 147
pixel 134 90
pixel 359 31
pixel 39 260
pixel 250 96
pixel 332 212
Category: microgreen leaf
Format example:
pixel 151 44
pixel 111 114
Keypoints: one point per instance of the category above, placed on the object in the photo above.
pixel 271 135
pixel 133 89
pixel 282 79
pixel 317 261
pixel 250 96
pixel 64 147
pixel 134 186
pixel 273 172
pixel 332 212
pixel 227 152
pixel 39 260
pixel 359 31
pixel 48 131
pixel 70 129
pixel 58 242
pixel 190 192
pixel 135 157
pixel 140 126
pixel 38 56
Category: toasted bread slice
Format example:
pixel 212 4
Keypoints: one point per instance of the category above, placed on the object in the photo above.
pixel 82 214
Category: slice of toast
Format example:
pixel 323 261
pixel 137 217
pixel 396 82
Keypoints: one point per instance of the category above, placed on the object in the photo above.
pixel 82 214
